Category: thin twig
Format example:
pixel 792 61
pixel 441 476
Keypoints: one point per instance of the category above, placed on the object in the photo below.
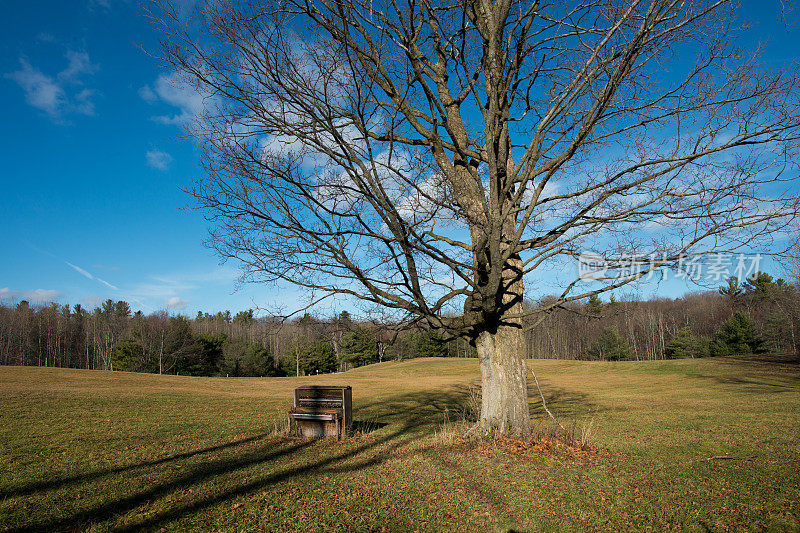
pixel 544 403
pixel 722 457
pixel 709 459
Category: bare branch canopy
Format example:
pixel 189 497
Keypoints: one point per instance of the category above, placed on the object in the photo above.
pixel 426 157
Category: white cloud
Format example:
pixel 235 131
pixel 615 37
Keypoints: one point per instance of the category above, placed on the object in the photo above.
pixel 37 295
pixel 88 275
pixel 147 94
pixel 92 301
pixel 60 95
pixel 169 89
pixel 159 290
pixel 105 267
pixel 107 284
pixel 164 290
pixel 83 104
pixel 176 303
pixel 423 201
pixel 191 280
pixel 40 90
pixel 79 64
pixel 158 159
pixel 79 270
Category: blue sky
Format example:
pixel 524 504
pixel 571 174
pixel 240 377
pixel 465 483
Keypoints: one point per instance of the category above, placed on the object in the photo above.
pixel 92 165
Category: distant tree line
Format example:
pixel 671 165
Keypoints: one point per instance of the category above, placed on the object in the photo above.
pixel 759 315
pixel 112 337
pixel 762 314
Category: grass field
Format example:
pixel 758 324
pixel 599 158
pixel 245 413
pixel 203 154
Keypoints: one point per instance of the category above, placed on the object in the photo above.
pixel 88 450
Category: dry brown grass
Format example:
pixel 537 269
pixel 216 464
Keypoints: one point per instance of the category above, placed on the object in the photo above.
pixel 102 450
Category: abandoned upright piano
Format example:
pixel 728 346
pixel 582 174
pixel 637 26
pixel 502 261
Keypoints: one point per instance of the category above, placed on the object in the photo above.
pixel 322 410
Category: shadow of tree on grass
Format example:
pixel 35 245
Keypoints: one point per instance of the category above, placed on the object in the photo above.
pixel 395 421
pixel 252 465
pixel 90 476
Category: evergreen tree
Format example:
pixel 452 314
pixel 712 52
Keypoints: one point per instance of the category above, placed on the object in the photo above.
pixel 594 305
pixel 610 346
pixel 258 361
pixel 344 321
pixel 318 358
pixel 244 318
pixel 737 336
pixel 685 344
pixel 732 291
pixel 126 354
pixel 761 286
pixel 240 358
pixel 122 309
pixel 359 347
pixel 429 343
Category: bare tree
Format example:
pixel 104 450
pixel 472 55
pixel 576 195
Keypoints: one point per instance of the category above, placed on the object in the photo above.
pixel 426 157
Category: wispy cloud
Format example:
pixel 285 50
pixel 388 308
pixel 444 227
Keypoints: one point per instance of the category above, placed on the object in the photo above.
pixel 223 274
pixel 105 4
pixel 107 284
pixel 79 270
pixel 41 91
pixel 158 159
pixel 183 6
pixel 37 295
pixel 105 267
pixel 61 94
pixel 148 95
pixel 175 303
pixel 79 65
pixel 92 301
pixel 169 290
pixel 169 89
pixel 89 275
pixel 175 290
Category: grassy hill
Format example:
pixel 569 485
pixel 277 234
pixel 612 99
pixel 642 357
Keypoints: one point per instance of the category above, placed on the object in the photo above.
pixel 701 445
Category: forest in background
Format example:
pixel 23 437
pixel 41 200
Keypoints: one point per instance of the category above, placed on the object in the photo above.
pixel 759 315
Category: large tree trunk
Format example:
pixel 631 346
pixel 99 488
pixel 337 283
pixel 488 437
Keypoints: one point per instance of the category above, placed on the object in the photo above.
pixel 501 351
pixel 504 399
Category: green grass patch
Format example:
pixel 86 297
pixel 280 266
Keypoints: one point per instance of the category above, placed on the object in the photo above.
pixel 98 451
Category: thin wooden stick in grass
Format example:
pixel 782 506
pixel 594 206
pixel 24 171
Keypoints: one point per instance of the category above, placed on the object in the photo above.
pixel 710 459
pixel 722 457
pixel 544 402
